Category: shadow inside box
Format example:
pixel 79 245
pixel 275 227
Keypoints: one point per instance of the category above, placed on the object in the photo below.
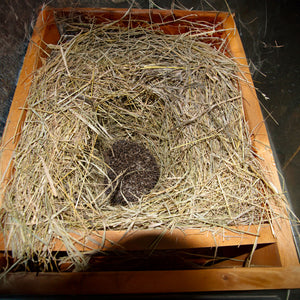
pixel 186 258
pixel 153 252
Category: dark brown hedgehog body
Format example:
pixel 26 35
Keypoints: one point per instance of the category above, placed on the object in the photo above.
pixel 133 171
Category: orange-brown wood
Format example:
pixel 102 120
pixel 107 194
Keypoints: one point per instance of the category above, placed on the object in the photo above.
pixel 266 256
pixel 125 282
pixel 45 32
pixel 177 239
pixel 252 111
pixel 261 144
pixel 281 246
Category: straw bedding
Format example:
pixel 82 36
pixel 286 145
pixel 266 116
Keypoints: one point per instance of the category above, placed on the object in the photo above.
pixel 174 95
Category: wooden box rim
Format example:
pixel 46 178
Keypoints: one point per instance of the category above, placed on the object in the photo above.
pixel 46 32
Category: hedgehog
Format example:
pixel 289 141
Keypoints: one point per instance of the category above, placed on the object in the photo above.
pixel 132 172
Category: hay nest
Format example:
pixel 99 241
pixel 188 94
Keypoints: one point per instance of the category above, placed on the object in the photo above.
pixel 174 99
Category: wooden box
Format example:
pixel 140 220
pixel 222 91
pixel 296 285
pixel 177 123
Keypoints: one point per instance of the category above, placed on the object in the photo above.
pixel 274 260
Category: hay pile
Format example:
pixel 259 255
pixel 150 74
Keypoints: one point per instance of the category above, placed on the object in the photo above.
pixel 176 95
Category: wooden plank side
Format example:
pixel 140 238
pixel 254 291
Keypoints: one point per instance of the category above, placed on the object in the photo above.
pixel 157 239
pixel 113 14
pixel 252 110
pixel 261 146
pixel 44 32
pixel 177 239
pixel 150 281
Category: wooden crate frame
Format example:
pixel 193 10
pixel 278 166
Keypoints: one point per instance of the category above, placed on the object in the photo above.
pixel 278 254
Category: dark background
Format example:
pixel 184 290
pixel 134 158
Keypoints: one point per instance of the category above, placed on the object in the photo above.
pixel 269 30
